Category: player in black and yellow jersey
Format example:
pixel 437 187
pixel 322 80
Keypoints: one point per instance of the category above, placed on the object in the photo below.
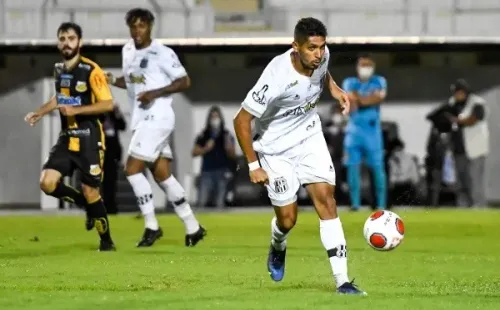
pixel 82 96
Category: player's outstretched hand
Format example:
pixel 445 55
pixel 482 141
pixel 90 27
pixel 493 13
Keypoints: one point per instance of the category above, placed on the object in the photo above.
pixel 32 118
pixel 110 78
pixel 345 103
pixel 259 176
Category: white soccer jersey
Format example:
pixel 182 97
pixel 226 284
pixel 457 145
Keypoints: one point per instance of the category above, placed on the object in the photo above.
pixel 284 104
pixel 146 69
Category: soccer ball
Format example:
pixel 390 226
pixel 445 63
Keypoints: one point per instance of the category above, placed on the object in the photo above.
pixel 384 230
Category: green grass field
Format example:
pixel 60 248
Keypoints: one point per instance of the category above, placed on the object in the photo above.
pixel 449 260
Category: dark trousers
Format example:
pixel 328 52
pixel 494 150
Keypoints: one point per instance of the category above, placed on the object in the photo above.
pixel 109 184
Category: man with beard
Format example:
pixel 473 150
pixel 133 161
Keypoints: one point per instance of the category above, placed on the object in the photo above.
pixel 152 73
pixel 82 96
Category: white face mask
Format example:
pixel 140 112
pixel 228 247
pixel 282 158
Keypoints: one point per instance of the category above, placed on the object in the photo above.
pixel 215 123
pixel 365 72
pixel 337 118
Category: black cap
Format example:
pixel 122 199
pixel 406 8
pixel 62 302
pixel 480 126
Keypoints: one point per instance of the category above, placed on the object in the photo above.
pixel 460 84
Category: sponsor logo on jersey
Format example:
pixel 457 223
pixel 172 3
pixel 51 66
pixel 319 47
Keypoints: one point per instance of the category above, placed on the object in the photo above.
pixel 84 66
pixel 81 86
pixel 302 110
pixel 95 170
pixel 70 100
pixel 137 79
pixel 79 132
pixel 65 83
pixel 293 84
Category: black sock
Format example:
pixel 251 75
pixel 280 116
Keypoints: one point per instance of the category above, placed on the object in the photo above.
pixel 97 211
pixel 69 194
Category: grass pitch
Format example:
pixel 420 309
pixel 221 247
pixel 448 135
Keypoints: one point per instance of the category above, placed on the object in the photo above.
pixel 448 260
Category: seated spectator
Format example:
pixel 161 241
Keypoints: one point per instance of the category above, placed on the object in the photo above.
pixel 216 145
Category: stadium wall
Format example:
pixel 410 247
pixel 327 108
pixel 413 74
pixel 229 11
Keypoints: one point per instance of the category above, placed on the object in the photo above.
pixel 223 77
pixel 21 144
pixel 25 148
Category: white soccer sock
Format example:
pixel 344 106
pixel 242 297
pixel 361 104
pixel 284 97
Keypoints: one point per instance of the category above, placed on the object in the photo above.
pixel 278 239
pixel 175 194
pixel 144 193
pixel 332 237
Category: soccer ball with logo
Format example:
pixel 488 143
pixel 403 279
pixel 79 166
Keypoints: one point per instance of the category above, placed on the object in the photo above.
pixel 384 230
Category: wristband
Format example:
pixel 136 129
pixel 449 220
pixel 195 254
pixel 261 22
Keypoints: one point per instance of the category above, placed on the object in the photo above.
pixel 254 165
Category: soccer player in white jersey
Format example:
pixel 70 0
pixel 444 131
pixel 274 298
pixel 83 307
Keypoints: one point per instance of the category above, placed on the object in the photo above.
pixel 152 72
pixel 287 148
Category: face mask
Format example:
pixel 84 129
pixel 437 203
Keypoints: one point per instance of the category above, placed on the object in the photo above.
pixel 337 118
pixel 215 123
pixel 365 72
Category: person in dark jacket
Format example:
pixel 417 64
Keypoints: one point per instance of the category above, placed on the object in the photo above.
pixel 113 123
pixel 216 146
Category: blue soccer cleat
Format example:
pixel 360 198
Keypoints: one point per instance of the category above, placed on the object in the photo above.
pixel 349 288
pixel 276 264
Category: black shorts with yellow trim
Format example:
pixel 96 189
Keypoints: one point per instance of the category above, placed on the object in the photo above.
pixel 88 160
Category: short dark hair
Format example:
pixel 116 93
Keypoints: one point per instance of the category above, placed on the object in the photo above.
pixel 365 55
pixel 309 27
pixel 139 14
pixel 66 26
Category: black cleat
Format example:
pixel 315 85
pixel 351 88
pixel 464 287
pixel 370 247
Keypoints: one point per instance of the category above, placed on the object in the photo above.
pixel 193 239
pixel 106 246
pixel 349 288
pixel 149 237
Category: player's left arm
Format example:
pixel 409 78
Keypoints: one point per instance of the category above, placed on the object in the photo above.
pixel 102 93
pixel 338 93
pixel 376 97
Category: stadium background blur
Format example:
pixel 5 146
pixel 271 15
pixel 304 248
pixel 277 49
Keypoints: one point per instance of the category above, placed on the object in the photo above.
pixel 420 46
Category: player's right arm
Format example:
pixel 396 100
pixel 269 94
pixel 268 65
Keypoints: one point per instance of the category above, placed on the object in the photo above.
pixel 119 81
pixel 255 104
pixel 33 117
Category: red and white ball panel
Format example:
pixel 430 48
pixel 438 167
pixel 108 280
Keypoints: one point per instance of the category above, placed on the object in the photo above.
pixel 384 230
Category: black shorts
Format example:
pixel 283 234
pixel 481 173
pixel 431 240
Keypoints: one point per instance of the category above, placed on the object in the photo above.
pixel 89 160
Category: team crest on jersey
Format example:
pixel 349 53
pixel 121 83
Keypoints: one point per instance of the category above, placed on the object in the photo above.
pixel 144 63
pixel 95 170
pixel 81 86
pixel 280 185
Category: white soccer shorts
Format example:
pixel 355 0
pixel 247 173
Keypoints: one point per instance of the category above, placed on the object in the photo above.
pixel 148 144
pixel 309 162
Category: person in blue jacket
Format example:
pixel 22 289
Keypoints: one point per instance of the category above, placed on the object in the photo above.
pixel 363 139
